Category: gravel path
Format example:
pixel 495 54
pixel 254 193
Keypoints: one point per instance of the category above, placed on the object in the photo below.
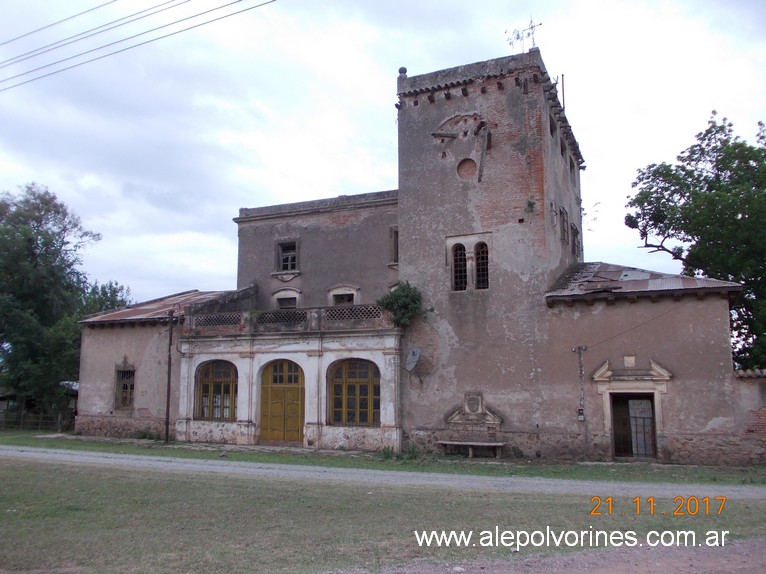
pixel 740 557
pixel 380 477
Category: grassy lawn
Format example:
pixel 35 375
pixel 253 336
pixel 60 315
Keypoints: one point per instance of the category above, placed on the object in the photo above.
pixel 412 461
pixel 104 520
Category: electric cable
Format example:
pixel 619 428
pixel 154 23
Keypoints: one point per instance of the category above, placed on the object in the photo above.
pixel 56 23
pixel 82 35
pixel 117 42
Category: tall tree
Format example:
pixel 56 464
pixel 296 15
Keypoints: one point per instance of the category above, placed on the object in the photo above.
pixel 708 211
pixel 105 297
pixel 43 294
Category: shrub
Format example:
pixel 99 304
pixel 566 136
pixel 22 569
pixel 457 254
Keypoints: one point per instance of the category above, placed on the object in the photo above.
pixel 405 303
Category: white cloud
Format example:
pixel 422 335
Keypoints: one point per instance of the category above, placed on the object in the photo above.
pixel 157 148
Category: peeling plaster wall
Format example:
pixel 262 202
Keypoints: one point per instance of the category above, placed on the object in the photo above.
pixel 688 337
pixel 146 348
pixel 490 340
pixel 334 239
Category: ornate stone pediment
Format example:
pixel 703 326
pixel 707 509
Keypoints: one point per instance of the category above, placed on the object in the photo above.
pixel 656 372
pixel 474 413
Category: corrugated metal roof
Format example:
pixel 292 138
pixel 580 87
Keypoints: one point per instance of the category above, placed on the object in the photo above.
pixel 154 310
pixel 606 280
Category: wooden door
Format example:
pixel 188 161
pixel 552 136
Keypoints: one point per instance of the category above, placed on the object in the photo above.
pixel 282 402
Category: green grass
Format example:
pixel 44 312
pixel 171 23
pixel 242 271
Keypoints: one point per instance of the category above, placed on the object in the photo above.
pixel 103 520
pixel 412 461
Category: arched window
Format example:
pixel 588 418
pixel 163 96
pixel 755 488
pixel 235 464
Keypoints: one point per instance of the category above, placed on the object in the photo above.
pixel 459 268
pixel 216 397
pixel 481 251
pixel 355 393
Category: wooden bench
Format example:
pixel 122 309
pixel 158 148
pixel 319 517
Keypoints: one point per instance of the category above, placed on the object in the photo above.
pixel 498 446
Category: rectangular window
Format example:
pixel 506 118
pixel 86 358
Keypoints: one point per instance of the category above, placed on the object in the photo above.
pixel 287 256
pixel 343 299
pixel 125 377
pixel 287 303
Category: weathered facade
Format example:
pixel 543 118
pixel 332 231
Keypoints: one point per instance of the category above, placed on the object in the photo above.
pixel 525 350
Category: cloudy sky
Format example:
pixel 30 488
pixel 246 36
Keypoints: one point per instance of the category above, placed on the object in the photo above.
pixel 158 147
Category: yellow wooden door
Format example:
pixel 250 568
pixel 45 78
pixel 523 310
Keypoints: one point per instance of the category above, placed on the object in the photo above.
pixel 282 397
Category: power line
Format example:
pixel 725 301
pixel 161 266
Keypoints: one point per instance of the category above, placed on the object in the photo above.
pixel 81 36
pixel 56 23
pixel 129 47
pixel 115 42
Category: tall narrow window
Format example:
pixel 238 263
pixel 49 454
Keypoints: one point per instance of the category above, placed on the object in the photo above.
pixel 575 240
pixel 564 221
pixel 481 252
pixel 125 381
pixel 394 244
pixel 459 268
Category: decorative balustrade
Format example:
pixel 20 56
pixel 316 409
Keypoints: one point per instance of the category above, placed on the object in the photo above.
pixel 347 317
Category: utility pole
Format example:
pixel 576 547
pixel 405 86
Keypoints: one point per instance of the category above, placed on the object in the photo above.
pixel 170 357
pixel 581 406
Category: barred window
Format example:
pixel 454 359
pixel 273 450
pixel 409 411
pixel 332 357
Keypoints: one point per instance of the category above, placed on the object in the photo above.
pixel 355 393
pixel 125 384
pixel 459 268
pixel 564 222
pixel 216 397
pixel 481 252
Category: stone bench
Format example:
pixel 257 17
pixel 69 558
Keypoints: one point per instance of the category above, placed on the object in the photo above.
pixel 472 443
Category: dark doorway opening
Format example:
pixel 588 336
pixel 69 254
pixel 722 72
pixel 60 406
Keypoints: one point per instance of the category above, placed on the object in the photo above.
pixel 633 425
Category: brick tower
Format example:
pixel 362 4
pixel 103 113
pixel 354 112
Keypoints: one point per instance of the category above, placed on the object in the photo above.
pixel 489 217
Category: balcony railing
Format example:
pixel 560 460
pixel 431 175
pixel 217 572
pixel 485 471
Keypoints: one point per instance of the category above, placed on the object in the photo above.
pixel 346 317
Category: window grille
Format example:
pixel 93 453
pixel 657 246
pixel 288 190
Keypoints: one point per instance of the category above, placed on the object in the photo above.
pixel 459 268
pixel 125 385
pixel 482 265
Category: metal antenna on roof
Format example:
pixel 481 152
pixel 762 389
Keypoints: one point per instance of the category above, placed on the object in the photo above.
pixel 521 35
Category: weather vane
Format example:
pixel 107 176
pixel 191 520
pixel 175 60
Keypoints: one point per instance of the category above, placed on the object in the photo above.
pixel 521 35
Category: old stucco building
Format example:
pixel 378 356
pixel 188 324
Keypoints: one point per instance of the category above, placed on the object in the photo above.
pixel 524 348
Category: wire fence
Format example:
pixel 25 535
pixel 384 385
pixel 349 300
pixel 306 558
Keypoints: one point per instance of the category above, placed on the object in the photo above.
pixel 61 422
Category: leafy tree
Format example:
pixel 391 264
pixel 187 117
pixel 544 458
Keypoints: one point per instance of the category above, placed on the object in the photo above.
pixel 105 297
pixel 708 211
pixel 43 294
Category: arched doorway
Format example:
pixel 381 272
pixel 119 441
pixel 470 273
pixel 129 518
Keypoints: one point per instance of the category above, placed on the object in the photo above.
pixel 282 399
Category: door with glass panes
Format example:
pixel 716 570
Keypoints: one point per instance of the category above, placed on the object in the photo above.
pixel 282 398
